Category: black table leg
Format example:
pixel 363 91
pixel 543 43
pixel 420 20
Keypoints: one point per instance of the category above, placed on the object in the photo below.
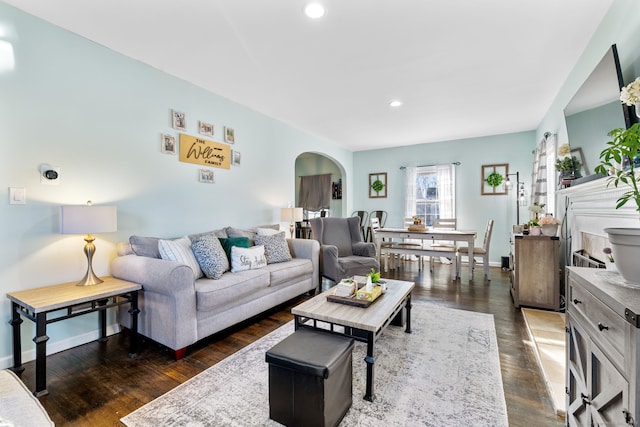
pixel 15 323
pixel 41 354
pixel 408 308
pixel 102 318
pixel 134 310
pixel 370 371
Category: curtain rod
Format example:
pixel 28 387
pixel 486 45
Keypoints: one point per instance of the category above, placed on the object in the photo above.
pixel 424 166
pixel 320 174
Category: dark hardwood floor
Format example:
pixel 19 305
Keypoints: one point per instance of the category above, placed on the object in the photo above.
pixel 97 384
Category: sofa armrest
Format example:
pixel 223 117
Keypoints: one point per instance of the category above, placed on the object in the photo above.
pixel 155 275
pixel 308 249
pixel 367 249
pixel 168 301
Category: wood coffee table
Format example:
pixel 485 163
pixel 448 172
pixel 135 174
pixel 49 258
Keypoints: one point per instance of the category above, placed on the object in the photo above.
pixel 362 324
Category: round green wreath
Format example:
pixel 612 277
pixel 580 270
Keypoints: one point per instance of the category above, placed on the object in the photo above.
pixel 494 179
pixel 377 186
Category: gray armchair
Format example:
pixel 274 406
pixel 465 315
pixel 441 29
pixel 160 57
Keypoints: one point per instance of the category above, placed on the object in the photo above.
pixel 342 251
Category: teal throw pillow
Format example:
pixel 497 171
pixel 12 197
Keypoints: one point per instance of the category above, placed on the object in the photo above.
pixel 229 242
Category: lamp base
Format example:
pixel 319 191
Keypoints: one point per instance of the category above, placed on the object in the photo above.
pixel 90 277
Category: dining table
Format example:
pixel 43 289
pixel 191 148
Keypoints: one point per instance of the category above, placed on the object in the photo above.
pixel 388 233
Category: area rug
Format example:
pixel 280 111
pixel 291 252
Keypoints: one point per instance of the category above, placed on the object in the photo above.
pixel 445 373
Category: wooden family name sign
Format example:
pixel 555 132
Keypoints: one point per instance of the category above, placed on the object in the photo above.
pixel 204 152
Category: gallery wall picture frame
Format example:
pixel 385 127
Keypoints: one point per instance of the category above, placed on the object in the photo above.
pixel 206 175
pixel 178 120
pixel 168 143
pixel 229 135
pixel 205 128
pixel 377 185
pixel 236 157
pixel 492 175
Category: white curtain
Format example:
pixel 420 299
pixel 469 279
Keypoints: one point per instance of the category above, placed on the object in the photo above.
pixel 446 187
pixel 410 191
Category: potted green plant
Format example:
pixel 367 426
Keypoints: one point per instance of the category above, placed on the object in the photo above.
pixel 625 242
pixel 623 149
pixel 569 167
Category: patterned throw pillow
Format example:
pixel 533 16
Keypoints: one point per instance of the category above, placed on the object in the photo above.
pixel 179 250
pixel 275 247
pixel 210 255
pixel 247 258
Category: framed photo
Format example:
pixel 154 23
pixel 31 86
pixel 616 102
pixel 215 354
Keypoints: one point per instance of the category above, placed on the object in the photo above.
pixel 205 129
pixel 493 177
pixel 229 135
pixel 235 157
pixel 206 176
pixel 377 185
pixel 168 143
pixel 178 120
pixel 577 153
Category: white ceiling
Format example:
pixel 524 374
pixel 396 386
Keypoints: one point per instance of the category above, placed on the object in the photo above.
pixel 463 68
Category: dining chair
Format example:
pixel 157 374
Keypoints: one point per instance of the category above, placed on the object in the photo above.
pixel 442 224
pixel 476 252
pixel 364 220
pixel 386 248
pixel 382 219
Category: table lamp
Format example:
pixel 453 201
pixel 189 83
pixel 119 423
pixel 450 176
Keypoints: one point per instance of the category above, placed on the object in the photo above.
pixel 88 219
pixel 291 215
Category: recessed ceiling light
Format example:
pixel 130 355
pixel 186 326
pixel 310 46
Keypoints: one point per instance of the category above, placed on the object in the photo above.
pixel 395 103
pixel 314 10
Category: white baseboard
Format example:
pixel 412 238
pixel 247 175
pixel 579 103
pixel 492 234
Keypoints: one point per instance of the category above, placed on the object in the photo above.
pixel 58 346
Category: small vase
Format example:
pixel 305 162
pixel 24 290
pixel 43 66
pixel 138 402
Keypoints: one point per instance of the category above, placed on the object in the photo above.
pixel 611 266
pixel 637 105
pixel 534 231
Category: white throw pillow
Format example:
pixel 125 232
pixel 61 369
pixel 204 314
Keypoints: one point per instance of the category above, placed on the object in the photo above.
pixel 247 258
pixel 266 231
pixel 179 250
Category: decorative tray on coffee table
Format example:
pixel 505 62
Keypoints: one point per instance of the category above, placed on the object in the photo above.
pixel 358 302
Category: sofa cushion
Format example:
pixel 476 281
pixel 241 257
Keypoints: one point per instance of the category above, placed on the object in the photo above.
pixel 210 256
pixel 222 232
pixel 145 246
pixel 250 233
pixel 232 289
pixel 247 258
pixel 292 271
pixel 179 250
pixel 266 231
pixel 275 247
pixel 229 242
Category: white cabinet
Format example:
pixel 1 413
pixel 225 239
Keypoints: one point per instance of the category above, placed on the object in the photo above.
pixel 602 350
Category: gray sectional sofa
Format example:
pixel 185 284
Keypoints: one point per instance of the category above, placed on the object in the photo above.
pixel 177 310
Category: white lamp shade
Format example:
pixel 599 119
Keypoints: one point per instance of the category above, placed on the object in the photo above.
pixel 82 219
pixel 291 214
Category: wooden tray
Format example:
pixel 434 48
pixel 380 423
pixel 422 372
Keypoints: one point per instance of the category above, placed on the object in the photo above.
pixel 351 301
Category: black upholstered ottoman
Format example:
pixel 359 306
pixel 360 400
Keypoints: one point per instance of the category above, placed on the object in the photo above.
pixel 310 381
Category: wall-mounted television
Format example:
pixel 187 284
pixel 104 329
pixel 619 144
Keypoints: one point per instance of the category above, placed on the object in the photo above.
pixel 596 109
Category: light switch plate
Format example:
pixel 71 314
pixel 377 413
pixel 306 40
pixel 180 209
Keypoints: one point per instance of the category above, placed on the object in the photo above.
pixel 17 196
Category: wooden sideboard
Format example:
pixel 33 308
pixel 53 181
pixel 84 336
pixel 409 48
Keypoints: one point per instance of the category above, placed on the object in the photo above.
pixel 535 274
pixel 603 343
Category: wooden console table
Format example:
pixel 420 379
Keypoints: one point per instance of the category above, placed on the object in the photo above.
pixel 36 304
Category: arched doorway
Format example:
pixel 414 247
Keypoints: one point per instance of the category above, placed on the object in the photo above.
pixel 318 164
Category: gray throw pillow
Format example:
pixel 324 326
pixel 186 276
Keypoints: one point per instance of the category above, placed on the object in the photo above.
pixel 275 247
pixel 145 246
pixel 210 255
